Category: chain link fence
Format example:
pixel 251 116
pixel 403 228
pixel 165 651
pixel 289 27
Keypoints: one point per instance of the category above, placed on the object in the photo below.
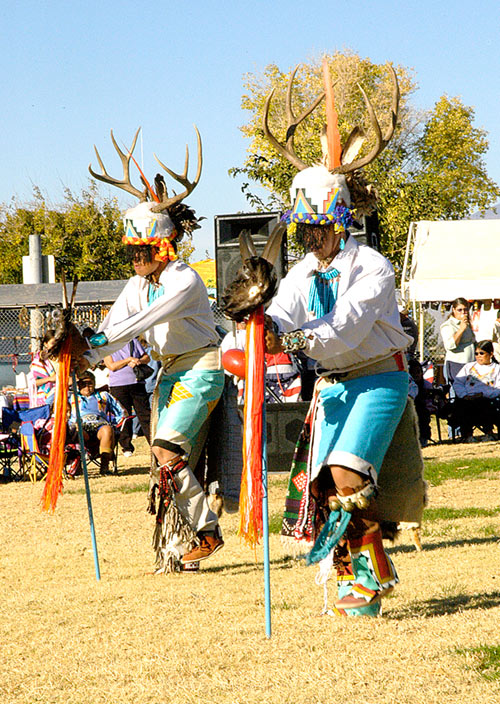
pixel 433 348
pixel 22 328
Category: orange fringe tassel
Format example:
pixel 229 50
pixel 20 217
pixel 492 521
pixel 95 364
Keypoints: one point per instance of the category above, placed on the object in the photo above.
pixel 53 481
pixel 251 492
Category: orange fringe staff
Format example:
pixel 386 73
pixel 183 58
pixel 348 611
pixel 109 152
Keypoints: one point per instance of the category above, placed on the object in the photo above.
pixel 53 482
pixel 251 479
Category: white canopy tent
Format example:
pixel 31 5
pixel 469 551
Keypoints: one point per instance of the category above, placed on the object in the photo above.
pixel 448 259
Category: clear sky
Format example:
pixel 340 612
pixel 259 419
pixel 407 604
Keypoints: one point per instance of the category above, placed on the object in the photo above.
pixel 73 70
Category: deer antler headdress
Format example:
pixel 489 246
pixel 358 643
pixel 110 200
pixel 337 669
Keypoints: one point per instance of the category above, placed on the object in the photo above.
pixel 159 219
pixel 320 194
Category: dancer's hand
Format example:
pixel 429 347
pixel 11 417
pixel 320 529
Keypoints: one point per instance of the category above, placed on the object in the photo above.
pixel 272 342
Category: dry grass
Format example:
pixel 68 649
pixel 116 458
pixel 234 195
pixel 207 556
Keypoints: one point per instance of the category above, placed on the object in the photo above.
pixel 134 638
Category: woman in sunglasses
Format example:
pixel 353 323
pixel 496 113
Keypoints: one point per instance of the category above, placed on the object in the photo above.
pixel 458 339
pixel 477 387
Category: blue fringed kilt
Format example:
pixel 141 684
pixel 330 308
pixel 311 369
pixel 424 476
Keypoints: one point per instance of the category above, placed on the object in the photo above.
pixel 356 420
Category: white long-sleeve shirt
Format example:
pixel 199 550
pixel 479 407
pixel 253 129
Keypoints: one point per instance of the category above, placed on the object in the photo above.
pixel 476 378
pixel 178 321
pixel 364 325
pixel 462 351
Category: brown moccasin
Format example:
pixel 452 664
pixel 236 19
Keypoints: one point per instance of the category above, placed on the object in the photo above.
pixel 209 545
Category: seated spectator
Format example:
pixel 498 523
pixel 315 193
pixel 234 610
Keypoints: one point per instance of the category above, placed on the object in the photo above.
pixel 421 392
pixel 130 392
pixel 100 413
pixel 42 374
pixel 477 387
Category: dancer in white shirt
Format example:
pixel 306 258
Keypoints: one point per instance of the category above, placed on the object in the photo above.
pixel 166 303
pixel 338 307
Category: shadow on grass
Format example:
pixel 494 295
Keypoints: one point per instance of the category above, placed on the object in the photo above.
pixel 441 606
pixel 133 471
pixel 286 562
pixel 395 549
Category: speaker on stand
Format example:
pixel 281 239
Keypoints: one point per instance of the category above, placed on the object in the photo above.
pixel 366 231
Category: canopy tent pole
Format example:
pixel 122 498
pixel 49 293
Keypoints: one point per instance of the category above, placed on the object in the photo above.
pixel 421 332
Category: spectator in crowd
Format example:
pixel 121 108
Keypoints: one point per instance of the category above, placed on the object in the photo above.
pixel 100 370
pixel 101 373
pixel 495 336
pixel 477 387
pixel 410 327
pixel 234 340
pixel 421 392
pixel 100 413
pixel 458 339
pixel 282 381
pixel 130 392
pixel 42 376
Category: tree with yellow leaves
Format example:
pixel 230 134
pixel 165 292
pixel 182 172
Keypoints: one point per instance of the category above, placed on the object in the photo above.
pixel 432 169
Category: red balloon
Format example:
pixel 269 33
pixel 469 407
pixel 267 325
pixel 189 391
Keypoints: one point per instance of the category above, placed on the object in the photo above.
pixel 233 361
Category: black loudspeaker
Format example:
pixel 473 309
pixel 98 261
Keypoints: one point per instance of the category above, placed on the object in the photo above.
pixel 227 248
pixel 284 422
pixel 367 232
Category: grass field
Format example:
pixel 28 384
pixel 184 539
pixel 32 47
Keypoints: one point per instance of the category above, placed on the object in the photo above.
pixel 134 638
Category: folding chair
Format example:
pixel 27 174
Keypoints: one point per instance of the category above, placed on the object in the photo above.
pixel 93 457
pixel 12 420
pixel 34 460
pixel 10 463
pixel 14 417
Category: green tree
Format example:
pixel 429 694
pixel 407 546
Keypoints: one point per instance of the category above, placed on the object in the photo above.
pixel 433 167
pixel 185 248
pixel 264 165
pixel 443 177
pixel 84 234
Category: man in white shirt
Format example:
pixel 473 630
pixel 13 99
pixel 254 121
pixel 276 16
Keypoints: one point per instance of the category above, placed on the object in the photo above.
pixel 358 347
pixel 338 307
pixel 166 302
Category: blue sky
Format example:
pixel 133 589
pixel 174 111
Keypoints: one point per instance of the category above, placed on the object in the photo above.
pixel 71 71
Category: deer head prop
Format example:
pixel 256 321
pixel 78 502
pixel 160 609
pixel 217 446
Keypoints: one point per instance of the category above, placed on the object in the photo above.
pixel 60 320
pixel 317 190
pixel 159 218
pixel 255 283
